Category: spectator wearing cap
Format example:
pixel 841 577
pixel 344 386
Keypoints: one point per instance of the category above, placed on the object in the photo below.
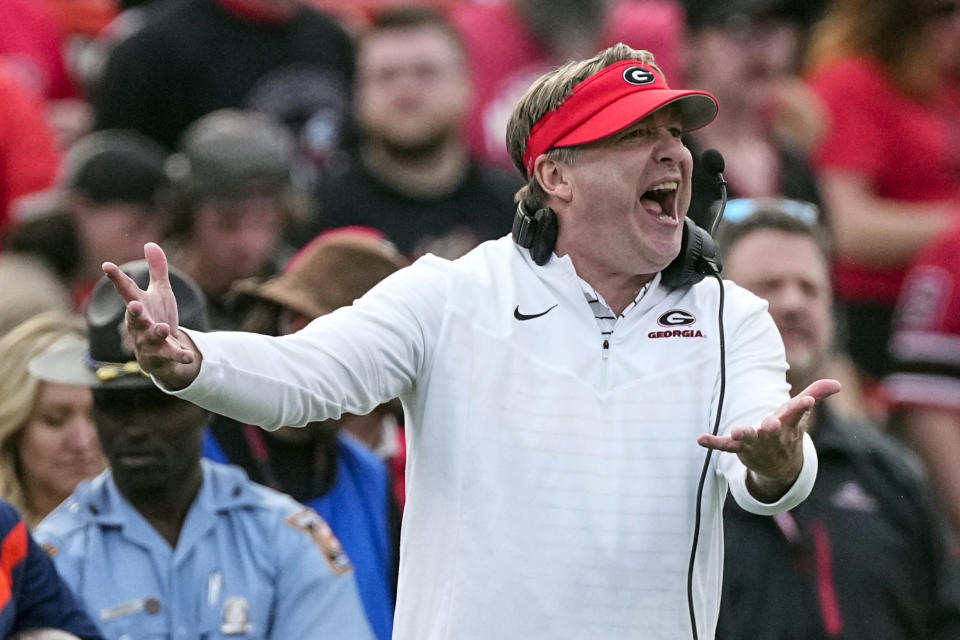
pixel 328 465
pixel 413 178
pixel 109 200
pixel 768 115
pixel 48 443
pixel 166 545
pixel 233 199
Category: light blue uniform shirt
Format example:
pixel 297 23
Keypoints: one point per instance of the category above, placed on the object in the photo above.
pixel 250 563
pixel 356 509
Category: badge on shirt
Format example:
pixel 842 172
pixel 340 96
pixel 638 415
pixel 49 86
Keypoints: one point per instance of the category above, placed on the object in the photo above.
pixel 310 522
pixel 235 617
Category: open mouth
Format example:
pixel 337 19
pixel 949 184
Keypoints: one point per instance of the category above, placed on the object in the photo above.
pixel 659 200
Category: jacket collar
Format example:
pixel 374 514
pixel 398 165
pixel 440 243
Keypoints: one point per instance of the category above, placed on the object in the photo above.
pixel 563 284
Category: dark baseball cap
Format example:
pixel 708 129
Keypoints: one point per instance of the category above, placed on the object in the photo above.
pixel 231 152
pixel 116 166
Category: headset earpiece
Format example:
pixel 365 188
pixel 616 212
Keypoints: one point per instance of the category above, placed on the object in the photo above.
pixel 698 258
pixel 536 232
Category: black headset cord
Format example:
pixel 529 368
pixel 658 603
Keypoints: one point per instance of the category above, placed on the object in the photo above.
pixel 706 464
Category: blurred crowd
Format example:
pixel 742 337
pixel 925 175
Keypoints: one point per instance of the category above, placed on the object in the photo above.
pixel 289 154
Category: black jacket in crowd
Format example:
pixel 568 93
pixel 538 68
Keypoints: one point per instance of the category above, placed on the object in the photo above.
pixel 862 558
pixel 481 205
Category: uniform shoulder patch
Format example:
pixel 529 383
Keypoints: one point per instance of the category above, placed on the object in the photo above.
pixel 309 521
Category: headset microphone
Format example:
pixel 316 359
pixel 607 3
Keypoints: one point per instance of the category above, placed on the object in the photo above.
pixel 714 165
pixel 713 162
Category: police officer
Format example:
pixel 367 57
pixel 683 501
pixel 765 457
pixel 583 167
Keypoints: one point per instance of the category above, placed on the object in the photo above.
pixel 164 545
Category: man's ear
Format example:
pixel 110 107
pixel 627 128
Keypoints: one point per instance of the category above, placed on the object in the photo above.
pixel 553 178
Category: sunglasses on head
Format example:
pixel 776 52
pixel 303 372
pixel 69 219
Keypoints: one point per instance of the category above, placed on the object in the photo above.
pixel 739 209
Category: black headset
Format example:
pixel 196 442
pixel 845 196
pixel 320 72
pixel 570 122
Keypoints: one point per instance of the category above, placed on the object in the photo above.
pixel 699 256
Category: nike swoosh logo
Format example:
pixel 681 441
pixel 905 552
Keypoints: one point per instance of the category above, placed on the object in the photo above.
pixel 524 316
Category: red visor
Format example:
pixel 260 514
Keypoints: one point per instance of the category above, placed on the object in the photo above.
pixel 609 101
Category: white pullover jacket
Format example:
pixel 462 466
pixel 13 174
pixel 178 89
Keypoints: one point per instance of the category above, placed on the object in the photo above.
pixel 551 482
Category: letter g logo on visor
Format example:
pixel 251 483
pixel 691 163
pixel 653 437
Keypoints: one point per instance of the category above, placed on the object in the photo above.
pixel 638 76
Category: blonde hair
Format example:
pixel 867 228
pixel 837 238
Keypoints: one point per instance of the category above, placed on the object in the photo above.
pixel 891 32
pixel 547 94
pixel 18 395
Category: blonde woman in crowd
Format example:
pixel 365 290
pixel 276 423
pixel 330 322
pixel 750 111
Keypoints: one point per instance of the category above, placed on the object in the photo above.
pixel 48 442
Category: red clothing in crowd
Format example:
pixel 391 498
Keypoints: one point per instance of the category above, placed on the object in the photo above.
pixel 31 38
pixel 926 340
pixel 29 156
pixel 903 147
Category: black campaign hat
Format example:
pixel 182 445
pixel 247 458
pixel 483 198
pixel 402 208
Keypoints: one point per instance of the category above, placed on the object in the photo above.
pixel 105 359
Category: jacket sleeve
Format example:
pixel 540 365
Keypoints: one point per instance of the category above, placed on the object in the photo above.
pixel 349 361
pixel 43 599
pixel 317 594
pixel 756 387
pixel 944 566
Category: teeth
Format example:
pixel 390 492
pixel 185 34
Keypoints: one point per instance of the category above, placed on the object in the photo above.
pixel 665 186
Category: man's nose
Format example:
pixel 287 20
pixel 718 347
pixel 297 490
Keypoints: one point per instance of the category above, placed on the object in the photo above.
pixel 789 298
pixel 669 147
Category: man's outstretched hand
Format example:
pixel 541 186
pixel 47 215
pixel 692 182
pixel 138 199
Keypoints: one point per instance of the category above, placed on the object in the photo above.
pixel 773 452
pixel 152 322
